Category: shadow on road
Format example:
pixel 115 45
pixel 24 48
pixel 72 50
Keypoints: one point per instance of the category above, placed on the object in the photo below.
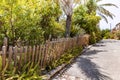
pixel 91 70
pixel 99 45
pixel 93 52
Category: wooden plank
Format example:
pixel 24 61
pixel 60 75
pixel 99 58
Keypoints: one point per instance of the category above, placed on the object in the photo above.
pixel 10 55
pixel 25 54
pixel 30 53
pixel 33 54
pixel 15 55
pixel 48 54
pixel 3 57
pixel 41 60
pixel 55 53
pixel 5 42
pixel 44 55
pixel 39 54
pixel 36 55
pixel 21 57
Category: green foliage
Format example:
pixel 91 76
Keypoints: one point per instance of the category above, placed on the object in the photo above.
pixel 109 35
pixel 76 30
pixel 106 34
pixel 85 20
pixel 29 21
pixel 27 72
pixel 88 22
pixel 48 15
pixel 92 6
pixel 20 21
pixel 92 38
pixel 118 35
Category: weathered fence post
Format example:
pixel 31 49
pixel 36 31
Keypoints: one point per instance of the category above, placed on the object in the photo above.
pixel 10 55
pixel 15 49
pixel 5 41
pixel 4 56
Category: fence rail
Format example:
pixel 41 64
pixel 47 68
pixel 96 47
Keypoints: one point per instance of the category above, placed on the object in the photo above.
pixel 42 54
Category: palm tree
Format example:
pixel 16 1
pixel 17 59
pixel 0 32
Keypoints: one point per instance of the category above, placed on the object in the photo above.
pixel 93 5
pixel 67 7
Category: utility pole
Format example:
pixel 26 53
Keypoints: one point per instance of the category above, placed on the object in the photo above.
pixel 110 28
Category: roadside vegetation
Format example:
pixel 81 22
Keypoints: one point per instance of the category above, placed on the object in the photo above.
pixel 32 22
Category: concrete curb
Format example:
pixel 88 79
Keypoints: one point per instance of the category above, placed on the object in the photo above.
pixel 52 73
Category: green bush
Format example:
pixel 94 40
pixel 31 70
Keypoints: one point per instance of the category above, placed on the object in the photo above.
pixel 118 35
pixel 76 30
pixel 92 38
pixel 107 35
pixel 29 71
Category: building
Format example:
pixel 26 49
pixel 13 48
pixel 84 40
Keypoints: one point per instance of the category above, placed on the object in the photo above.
pixel 116 28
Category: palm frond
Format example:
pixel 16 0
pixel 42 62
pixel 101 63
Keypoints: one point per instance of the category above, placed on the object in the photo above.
pixel 109 4
pixel 103 16
pixel 105 12
pixel 98 0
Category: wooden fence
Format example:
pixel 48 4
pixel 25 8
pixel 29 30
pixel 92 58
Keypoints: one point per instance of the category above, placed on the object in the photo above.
pixel 42 54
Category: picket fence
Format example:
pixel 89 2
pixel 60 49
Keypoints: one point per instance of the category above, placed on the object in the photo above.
pixel 42 54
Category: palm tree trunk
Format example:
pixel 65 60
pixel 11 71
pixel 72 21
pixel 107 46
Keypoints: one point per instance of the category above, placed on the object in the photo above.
pixel 68 25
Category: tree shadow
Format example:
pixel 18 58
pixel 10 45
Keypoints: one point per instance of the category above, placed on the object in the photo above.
pixel 93 52
pixel 91 70
pixel 109 41
pixel 99 45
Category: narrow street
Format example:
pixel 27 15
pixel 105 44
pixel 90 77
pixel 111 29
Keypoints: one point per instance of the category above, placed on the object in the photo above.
pixel 100 62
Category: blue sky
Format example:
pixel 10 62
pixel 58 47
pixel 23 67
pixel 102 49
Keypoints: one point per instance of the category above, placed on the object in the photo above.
pixel 115 11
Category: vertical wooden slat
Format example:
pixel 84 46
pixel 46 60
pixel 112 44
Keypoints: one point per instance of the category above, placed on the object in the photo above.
pixel 53 51
pixel 10 55
pixel 30 53
pixel 25 54
pixel 33 54
pixel 56 54
pixel 47 54
pixel 50 52
pixel 15 55
pixel 42 54
pixel 36 55
pixel 21 57
pixel 3 56
pixel 39 54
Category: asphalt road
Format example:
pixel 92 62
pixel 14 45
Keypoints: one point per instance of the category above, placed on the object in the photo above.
pixel 100 62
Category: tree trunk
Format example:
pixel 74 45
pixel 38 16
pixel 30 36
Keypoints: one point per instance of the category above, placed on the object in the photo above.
pixel 68 25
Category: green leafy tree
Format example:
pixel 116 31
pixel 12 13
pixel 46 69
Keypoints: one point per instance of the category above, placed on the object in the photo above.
pixel 88 22
pixel 19 19
pixel 49 13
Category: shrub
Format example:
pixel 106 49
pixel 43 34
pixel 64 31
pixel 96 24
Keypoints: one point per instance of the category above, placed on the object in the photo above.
pixel 92 38
pixel 28 72
pixel 118 35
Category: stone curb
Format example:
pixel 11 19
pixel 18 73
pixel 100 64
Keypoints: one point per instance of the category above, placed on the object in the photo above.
pixel 53 72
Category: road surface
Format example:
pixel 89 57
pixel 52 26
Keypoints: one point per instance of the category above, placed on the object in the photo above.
pixel 100 62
